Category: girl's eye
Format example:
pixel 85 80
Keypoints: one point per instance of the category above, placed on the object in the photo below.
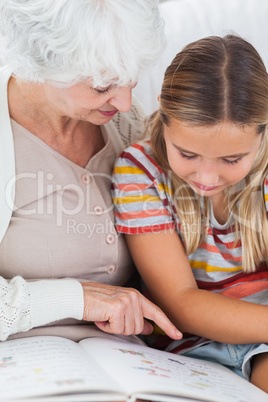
pixel 189 157
pixel 231 162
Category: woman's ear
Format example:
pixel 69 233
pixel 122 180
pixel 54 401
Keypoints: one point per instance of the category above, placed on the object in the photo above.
pixel 158 97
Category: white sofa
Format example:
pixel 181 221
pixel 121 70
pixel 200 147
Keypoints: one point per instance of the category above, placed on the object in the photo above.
pixel 189 20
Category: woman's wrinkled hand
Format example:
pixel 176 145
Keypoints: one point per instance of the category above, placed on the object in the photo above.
pixel 119 310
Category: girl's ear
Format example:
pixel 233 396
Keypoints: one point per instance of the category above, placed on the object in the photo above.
pixel 158 97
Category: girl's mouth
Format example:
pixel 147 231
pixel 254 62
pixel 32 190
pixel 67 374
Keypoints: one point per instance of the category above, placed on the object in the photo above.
pixel 205 188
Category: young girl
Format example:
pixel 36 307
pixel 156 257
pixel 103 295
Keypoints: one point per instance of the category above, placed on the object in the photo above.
pixel 193 202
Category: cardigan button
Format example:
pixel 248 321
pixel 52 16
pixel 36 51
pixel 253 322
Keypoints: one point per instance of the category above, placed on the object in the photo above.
pixel 86 178
pixel 110 238
pixel 98 210
pixel 111 269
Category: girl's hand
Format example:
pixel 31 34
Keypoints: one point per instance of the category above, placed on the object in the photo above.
pixel 119 310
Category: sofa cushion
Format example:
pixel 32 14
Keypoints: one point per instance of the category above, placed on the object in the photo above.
pixel 189 20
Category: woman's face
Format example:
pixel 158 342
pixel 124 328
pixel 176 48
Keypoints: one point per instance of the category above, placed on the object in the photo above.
pixel 83 102
pixel 211 158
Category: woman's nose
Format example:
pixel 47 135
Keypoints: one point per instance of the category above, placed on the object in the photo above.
pixel 122 99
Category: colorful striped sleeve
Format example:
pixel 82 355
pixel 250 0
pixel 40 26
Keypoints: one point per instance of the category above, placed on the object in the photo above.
pixel 140 193
pixel 266 193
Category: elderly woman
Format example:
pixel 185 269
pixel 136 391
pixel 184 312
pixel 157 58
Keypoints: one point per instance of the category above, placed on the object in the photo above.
pixel 65 90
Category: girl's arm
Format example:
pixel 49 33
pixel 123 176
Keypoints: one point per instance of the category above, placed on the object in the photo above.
pixel 166 271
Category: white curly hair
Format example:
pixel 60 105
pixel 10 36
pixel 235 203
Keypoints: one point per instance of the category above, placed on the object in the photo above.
pixel 108 41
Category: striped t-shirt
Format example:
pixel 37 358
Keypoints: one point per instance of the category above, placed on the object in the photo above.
pixel 143 204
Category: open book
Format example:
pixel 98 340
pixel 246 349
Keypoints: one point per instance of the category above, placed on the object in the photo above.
pixel 100 369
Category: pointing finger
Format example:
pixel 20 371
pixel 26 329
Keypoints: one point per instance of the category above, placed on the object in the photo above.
pixel 154 313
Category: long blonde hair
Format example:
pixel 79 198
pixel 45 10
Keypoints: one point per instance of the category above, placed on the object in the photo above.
pixel 210 81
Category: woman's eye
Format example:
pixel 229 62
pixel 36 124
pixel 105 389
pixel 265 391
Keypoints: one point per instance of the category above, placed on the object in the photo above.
pixel 102 90
pixel 232 161
pixel 186 156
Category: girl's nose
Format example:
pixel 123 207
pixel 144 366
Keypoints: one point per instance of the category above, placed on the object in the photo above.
pixel 207 174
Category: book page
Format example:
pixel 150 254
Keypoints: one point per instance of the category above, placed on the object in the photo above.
pixel 145 370
pixel 47 365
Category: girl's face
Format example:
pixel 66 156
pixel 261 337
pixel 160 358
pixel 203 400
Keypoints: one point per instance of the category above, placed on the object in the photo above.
pixel 211 158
